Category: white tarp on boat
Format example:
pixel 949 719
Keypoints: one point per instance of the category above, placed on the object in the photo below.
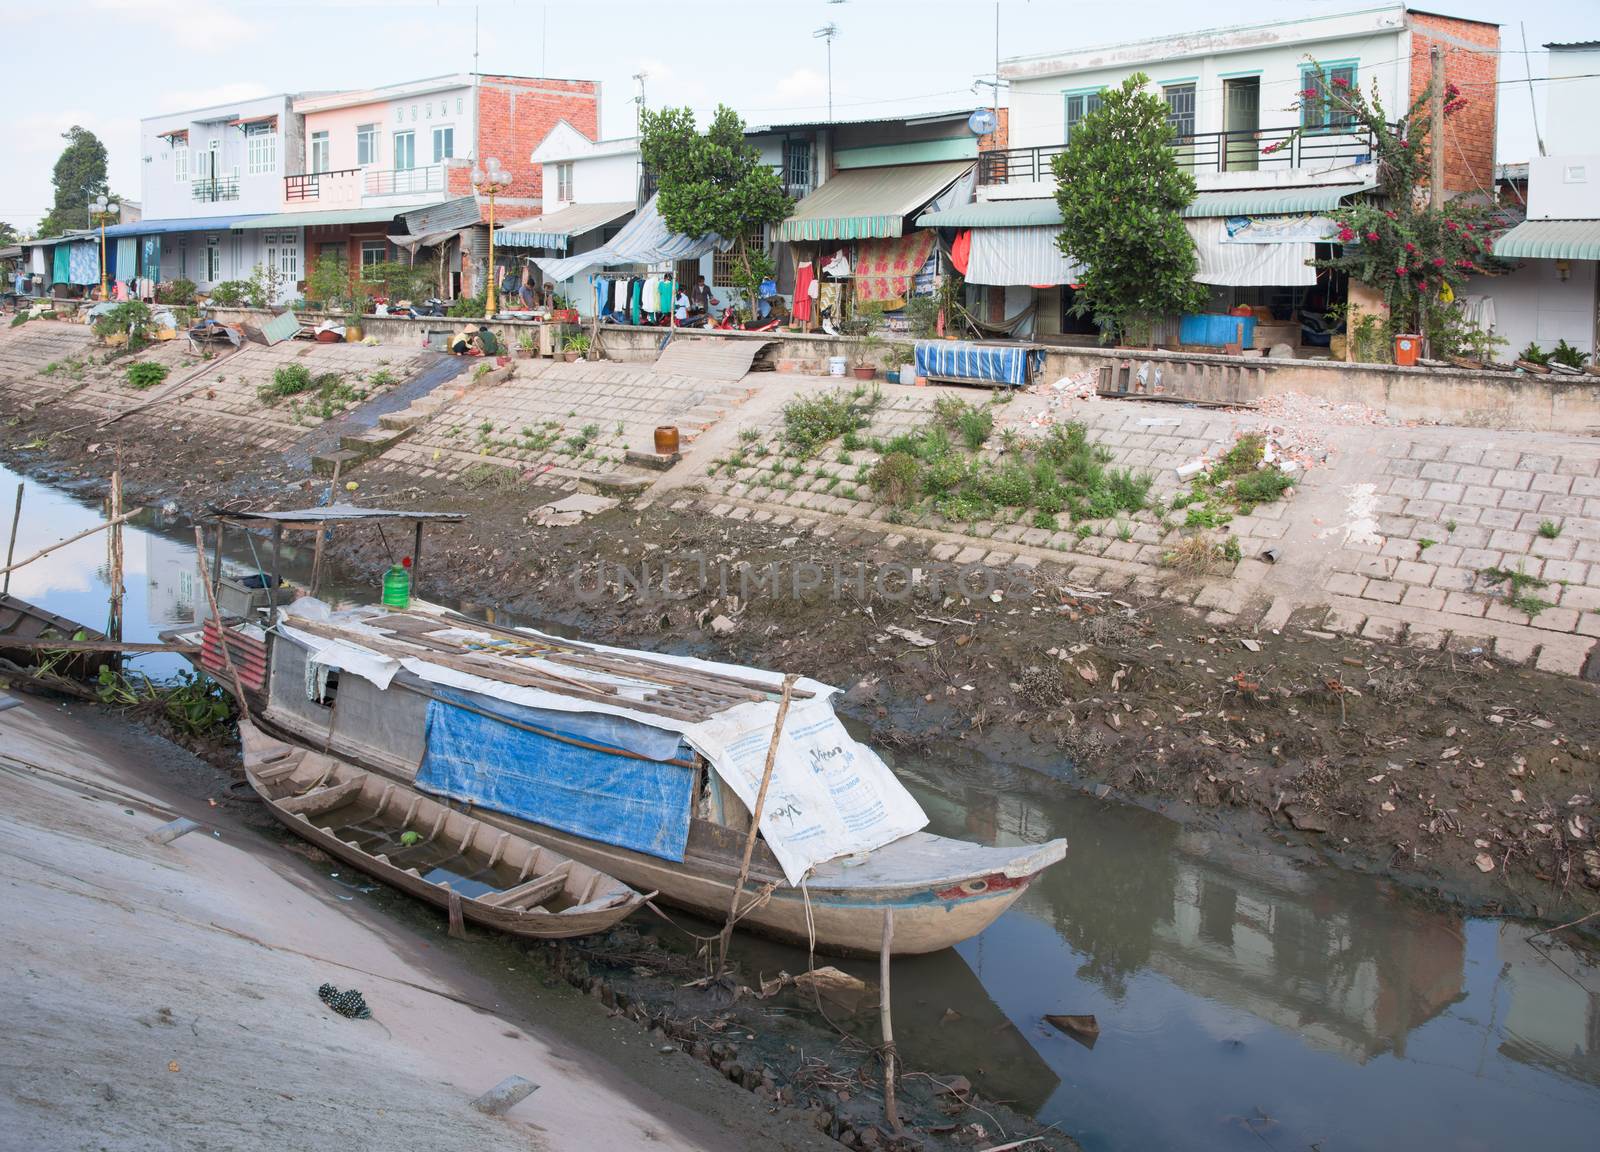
pixel 830 795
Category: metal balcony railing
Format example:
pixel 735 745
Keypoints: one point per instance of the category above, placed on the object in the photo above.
pixel 1245 150
pixel 403 181
pixel 308 185
pixel 214 188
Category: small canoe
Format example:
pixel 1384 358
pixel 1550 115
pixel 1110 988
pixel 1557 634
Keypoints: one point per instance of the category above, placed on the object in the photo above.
pixel 22 621
pixel 420 846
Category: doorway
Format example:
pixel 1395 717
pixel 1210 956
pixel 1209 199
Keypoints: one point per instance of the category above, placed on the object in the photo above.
pixel 1241 119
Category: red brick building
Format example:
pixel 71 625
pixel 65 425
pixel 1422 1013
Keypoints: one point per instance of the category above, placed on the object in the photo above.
pixel 1471 50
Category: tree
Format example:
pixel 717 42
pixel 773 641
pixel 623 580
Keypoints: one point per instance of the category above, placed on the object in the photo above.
pixel 8 235
pixel 1121 194
pixel 1413 253
pixel 79 176
pixel 713 183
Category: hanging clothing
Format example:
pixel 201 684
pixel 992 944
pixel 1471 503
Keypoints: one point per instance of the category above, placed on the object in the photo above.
pixel 961 250
pixel 127 264
pixel 620 300
pixel 152 260
pixel 681 307
pixel 652 292
pixel 838 267
pixel 886 268
pixel 635 300
pixel 804 281
pixel 665 290
pixel 61 270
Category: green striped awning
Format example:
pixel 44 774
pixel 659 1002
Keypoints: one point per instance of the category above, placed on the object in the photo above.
pixel 1273 201
pixel 317 219
pixel 1035 213
pixel 869 203
pixel 1551 240
pixel 556 229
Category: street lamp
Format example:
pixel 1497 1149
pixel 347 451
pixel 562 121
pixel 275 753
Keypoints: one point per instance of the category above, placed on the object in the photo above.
pixel 489 179
pixel 105 210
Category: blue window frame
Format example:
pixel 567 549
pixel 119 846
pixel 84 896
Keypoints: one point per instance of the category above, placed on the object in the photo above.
pixel 1079 103
pixel 1314 116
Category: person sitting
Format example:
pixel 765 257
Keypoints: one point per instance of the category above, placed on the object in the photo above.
pixel 462 343
pixel 488 342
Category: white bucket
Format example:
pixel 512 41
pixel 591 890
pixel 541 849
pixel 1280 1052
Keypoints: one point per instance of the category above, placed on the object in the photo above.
pixel 837 365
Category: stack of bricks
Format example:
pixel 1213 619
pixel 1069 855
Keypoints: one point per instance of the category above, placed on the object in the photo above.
pixel 515 113
pixel 1472 63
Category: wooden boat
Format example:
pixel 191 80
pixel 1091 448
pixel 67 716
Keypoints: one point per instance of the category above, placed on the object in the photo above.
pixel 941 890
pixel 418 845
pixel 20 620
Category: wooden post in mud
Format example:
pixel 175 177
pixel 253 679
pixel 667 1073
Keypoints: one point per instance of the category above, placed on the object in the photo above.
pixel 755 821
pixel 891 1113
pixel 216 618
pixel 11 548
pixel 458 925
pixel 114 624
pixel 322 533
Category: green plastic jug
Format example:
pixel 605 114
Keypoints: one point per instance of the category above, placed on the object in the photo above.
pixel 397 585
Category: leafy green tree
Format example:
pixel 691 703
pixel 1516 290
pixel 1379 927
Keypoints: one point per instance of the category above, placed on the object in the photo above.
pixel 8 235
pixel 713 183
pixel 79 176
pixel 1122 194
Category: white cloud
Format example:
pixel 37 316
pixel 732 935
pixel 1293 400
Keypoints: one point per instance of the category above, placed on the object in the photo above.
pixel 194 24
pixel 802 88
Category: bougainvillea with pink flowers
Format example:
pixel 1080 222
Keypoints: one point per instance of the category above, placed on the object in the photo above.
pixel 1395 242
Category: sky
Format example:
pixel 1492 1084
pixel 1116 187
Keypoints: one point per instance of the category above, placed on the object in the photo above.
pixel 760 56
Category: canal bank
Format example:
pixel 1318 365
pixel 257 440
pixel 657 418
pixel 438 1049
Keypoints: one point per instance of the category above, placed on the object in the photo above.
pixel 1269 996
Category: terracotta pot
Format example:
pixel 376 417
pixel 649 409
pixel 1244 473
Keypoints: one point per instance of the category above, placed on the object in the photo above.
pixel 667 440
pixel 864 371
pixel 524 353
pixel 569 357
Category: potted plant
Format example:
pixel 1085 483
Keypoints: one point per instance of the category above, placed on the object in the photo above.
pixel 864 325
pixel 574 346
pixel 525 346
pixel 903 357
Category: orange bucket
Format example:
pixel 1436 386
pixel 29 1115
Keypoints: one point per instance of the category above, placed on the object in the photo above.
pixel 1406 349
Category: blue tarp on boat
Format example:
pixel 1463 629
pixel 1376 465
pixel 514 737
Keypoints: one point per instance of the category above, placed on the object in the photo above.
pixel 965 360
pixel 595 793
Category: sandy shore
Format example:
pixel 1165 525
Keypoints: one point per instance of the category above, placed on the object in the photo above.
pixel 166 996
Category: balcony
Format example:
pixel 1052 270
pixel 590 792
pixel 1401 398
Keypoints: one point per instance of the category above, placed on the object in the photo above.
pixel 309 185
pixel 1248 150
pixel 215 188
pixel 404 181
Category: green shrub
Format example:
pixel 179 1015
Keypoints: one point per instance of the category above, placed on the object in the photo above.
pixel 229 293
pixel 1009 487
pixel 129 318
pixel 810 422
pixel 146 374
pixel 1260 487
pixel 289 380
pixel 944 475
pixel 468 306
pixel 1130 489
pixel 179 291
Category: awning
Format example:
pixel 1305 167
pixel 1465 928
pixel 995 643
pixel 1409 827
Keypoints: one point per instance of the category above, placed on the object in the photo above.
pixel 1019 256
pixel 1551 240
pixel 11 253
pixel 1267 201
pixel 1247 264
pixel 869 203
pixel 174 134
pixel 181 224
pixel 557 229
pixel 995 214
pixel 643 240
pixel 437 223
pixel 249 120
pixel 318 219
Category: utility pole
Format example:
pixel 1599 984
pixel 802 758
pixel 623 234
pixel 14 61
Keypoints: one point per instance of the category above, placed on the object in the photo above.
pixel 1436 131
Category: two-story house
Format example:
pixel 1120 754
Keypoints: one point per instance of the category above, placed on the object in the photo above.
pixel 203 173
pixel 377 167
pixel 1553 291
pixel 1265 166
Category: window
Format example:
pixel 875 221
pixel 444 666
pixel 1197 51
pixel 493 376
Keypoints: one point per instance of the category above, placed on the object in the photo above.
pixel 724 265
pixel 797 163
pixel 564 182
pixel 261 141
pixel 366 144
pixel 374 252
pixel 1313 114
pixel 444 144
pixel 1180 108
pixel 405 150
pixel 319 152
pixel 289 259
pixel 180 162
pixel 1079 105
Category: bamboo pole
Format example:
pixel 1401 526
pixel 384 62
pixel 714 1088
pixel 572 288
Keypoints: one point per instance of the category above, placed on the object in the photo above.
pixel 222 633
pixel 11 548
pixel 890 1111
pixel 755 820
pixel 322 532
pixel 115 537
pixel 35 644
pixel 73 539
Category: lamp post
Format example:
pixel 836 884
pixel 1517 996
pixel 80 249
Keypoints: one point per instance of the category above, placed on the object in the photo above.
pixel 105 210
pixel 489 179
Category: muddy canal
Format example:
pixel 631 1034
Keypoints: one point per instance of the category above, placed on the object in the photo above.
pixel 1245 1001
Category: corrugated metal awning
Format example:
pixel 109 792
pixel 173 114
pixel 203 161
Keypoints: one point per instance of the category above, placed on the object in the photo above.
pixel 1551 240
pixel 179 224
pixel 869 203
pixel 11 253
pixel 1248 265
pixel 645 239
pixel 1020 256
pixel 1273 201
pixel 450 216
pixel 557 229
pixel 319 219
pixel 995 214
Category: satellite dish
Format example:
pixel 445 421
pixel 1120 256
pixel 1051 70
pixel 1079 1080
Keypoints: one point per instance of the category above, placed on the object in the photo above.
pixel 982 122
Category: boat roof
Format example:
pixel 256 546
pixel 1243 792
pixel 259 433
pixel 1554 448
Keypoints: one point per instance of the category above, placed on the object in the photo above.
pixel 339 514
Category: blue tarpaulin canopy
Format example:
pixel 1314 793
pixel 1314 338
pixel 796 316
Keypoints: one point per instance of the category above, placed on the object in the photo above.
pixel 615 785
pixel 965 360
pixel 181 224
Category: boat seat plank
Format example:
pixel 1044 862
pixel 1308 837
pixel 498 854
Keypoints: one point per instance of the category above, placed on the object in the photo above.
pixel 535 891
pixel 320 800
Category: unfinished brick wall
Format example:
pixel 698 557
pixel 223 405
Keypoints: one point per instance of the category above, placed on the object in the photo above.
pixel 997 141
pixel 516 112
pixel 1472 63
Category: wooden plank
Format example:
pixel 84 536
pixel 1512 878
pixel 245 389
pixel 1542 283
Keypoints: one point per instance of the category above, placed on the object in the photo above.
pixel 35 645
pixel 535 891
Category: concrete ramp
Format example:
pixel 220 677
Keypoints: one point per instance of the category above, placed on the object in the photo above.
pixel 716 357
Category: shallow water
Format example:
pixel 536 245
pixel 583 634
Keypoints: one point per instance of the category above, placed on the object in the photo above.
pixel 1244 1002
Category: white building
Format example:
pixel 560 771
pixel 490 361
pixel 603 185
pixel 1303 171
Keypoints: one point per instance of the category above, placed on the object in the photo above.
pixel 1256 157
pixel 1553 293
